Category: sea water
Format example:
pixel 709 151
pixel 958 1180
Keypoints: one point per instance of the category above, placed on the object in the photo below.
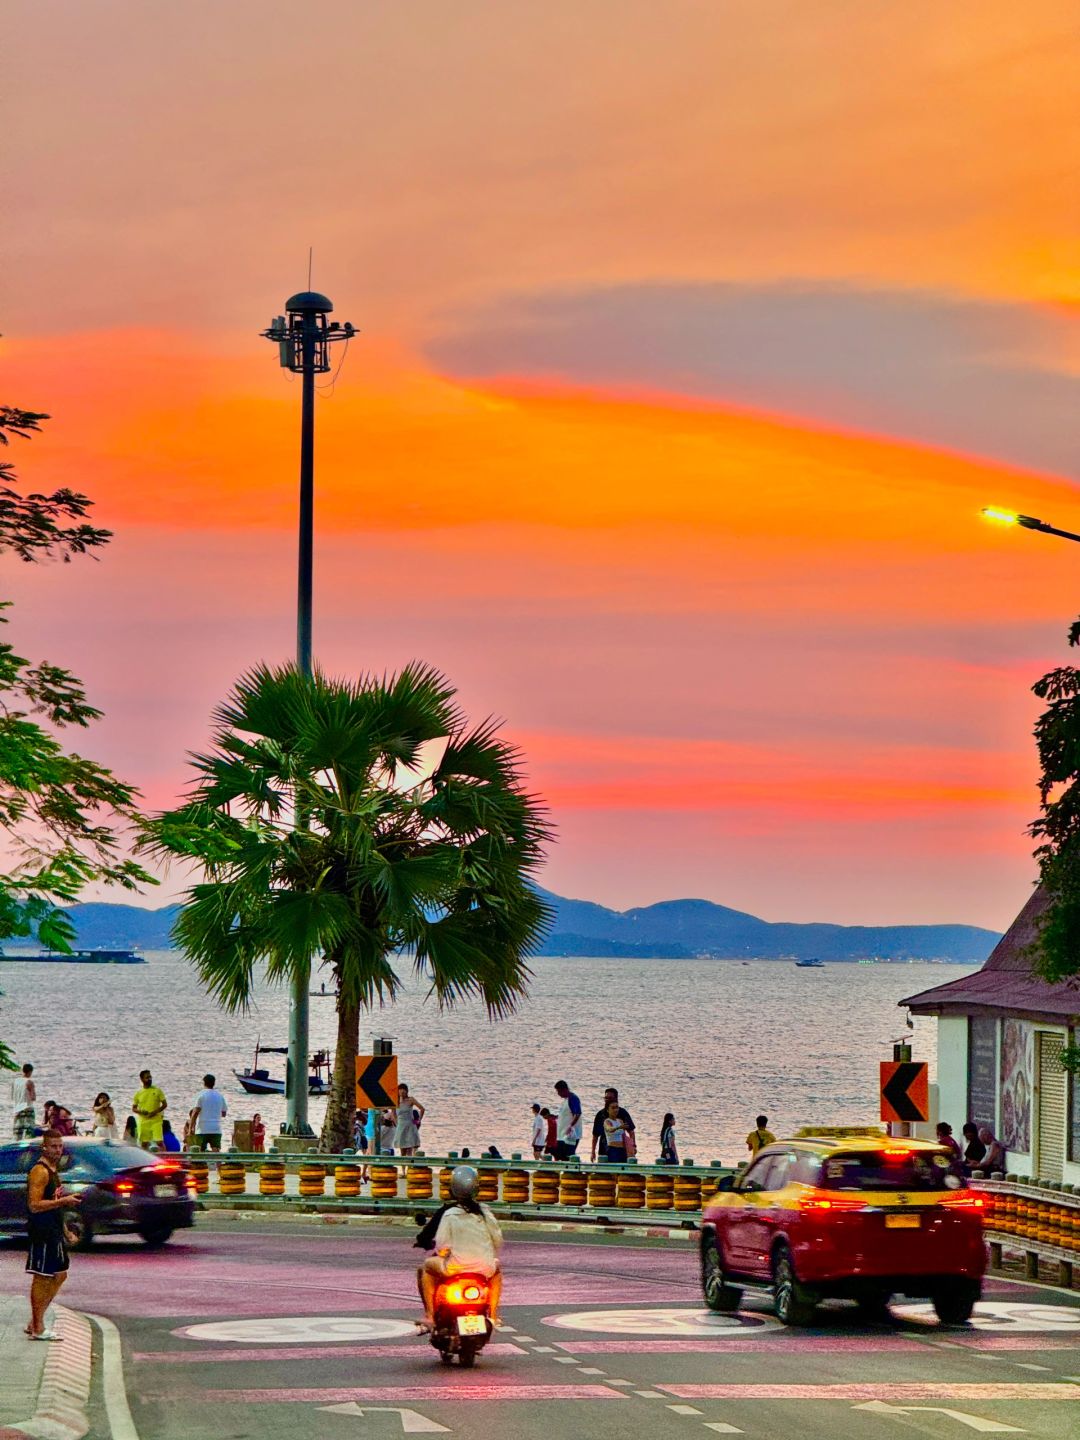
pixel 714 1041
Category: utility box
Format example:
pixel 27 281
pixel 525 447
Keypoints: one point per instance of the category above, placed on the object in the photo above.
pixel 242 1137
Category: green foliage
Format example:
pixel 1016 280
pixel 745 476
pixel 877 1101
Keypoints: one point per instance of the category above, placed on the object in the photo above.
pixel 1056 953
pixel 318 829
pixel 34 526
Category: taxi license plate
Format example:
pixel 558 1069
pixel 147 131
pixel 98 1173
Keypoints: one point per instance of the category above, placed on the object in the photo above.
pixel 471 1325
pixel 902 1222
pixel 160 1191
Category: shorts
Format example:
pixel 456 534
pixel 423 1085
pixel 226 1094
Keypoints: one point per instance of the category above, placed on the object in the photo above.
pixel 47 1257
pixel 205 1142
pixel 23 1127
pixel 565 1148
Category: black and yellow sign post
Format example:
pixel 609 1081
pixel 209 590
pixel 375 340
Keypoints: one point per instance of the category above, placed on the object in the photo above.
pixel 376 1086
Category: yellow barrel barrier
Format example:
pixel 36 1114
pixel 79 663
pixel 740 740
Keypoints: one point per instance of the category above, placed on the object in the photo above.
pixel 515 1187
pixel 232 1177
pixel 384 1182
pixel 602 1189
pixel 659 1192
pixel 444 1182
pixel 710 1184
pixel 347 1181
pixel 631 1191
pixel 573 1188
pixel 272 1177
pixel 312 1180
pixel 489 1186
pixel 418 1184
pixel 201 1174
pixel 687 1192
pixel 545 1187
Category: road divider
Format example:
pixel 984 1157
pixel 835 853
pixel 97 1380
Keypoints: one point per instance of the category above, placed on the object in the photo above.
pixel 1040 1220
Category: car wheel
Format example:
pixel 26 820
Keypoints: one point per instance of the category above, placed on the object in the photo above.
pixel 157 1235
pixel 954 1302
pixel 719 1295
pixel 874 1305
pixel 81 1228
pixel 792 1304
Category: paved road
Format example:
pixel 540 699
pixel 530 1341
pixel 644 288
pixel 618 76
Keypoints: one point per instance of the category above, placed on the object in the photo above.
pixel 269 1329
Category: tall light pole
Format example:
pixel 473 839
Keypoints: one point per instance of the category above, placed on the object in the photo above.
pixel 1026 522
pixel 303 336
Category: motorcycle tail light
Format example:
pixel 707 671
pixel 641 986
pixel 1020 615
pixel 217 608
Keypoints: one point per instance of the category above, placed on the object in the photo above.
pixel 469 1293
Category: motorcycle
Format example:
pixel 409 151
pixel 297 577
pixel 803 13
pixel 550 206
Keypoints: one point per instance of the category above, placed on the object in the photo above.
pixel 462 1318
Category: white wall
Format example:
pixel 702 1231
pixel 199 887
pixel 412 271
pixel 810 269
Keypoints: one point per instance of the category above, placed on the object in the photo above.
pixel 952 1070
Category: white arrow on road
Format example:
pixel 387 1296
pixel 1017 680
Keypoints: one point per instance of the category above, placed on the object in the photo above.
pixel 974 1422
pixel 412 1422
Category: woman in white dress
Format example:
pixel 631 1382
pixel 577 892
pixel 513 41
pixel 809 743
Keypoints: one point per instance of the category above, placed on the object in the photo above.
pixel 409 1114
pixel 104 1118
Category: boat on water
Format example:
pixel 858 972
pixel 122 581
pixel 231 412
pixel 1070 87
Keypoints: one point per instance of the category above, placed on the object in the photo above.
pixel 257 1080
pixel 77 957
pixel 814 964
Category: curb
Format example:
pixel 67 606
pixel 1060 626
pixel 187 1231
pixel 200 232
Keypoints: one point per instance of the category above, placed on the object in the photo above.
pixel 651 1232
pixel 65 1385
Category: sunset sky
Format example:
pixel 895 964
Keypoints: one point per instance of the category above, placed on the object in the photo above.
pixel 693 336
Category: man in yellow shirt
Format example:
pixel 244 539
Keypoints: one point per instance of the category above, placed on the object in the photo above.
pixel 149 1105
pixel 760 1137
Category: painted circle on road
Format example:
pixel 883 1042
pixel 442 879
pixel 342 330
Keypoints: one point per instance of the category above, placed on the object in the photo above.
pixel 1006 1315
pixel 299 1330
pixel 703 1324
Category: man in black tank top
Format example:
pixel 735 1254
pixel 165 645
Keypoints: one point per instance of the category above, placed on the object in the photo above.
pixel 49 1237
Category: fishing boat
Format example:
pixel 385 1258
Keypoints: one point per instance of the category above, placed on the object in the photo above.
pixel 814 964
pixel 77 957
pixel 258 1081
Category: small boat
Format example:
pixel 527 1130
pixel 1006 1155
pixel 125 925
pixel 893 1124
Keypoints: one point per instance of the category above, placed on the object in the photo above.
pixel 258 1081
pixel 814 964
pixel 323 993
pixel 77 957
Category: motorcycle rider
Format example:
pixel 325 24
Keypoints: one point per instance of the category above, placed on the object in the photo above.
pixel 467 1240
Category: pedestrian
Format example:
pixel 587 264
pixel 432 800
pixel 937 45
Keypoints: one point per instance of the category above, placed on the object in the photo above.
pixel 539 1132
pixel 599 1127
pixel 104 1118
pixel 946 1138
pixel 23 1101
pixel 360 1142
pixel 409 1115
pixel 567 1123
pixel 615 1136
pixel 669 1153
pixel 131 1130
pixel 59 1118
pixel 760 1136
pixel 387 1131
pixel 207 1114
pixel 974 1149
pixel 149 1105
pixel 169 1143
pixel 994 1158
pixel 49 1236
pixel 552 1137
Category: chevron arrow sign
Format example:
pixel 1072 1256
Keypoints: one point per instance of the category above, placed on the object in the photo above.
pixel 376 1081
pixel 905 1090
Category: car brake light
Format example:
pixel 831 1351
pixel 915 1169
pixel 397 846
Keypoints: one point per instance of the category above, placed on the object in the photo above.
pixel 164 1167
pixel 458 1294
pixel 816 1200
pixel 896 1153
pixel 123 1187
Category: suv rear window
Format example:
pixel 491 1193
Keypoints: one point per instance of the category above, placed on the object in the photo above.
pixel 887 1170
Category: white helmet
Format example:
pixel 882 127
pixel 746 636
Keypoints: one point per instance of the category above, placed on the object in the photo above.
pixel 464 1183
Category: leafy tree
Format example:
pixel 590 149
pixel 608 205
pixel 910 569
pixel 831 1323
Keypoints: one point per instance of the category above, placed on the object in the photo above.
pixel 385 859
pixel 60 814
pixel 1056 953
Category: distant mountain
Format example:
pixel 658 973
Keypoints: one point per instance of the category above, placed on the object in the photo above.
pixel 672 929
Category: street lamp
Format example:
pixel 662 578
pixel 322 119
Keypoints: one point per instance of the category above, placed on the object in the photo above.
pixel 1026 522
pixel 303 336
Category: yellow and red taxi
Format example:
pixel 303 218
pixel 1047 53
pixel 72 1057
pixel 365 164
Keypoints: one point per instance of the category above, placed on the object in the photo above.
pixel 859 1217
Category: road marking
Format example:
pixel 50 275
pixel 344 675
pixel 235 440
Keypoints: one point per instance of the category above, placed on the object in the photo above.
pixel 565 1360
pixel 683 1410
pixel 1005 1315
pixel 247 1353
pixel 121 1425
pixel 666 1320
pixel 621 1382
pixel 722 1429
pixel 907 1390
pixel 1022 1365
pixel 297 1329
pixel 650 1394
pixel 544 1350
pixel 525 1339
pixel 390 1393
pixel 412 1422
pixel 973 1422
pixel 589 1370
pixel 776 1345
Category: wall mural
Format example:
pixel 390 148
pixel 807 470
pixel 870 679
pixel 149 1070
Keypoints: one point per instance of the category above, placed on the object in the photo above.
pixel 1017 1066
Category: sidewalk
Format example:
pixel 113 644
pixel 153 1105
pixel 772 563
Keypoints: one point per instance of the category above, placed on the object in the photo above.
pixel 43 1388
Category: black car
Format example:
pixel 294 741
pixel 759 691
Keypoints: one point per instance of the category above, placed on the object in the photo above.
pixel 124 1189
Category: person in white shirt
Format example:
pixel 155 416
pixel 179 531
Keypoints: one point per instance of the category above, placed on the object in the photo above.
pixel 207 1114
pixel 568 1131
pixel 23 1099
pixel 467 1241
pixel 539 1133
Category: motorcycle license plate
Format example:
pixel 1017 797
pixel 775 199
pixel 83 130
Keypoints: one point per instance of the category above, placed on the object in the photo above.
pixel 161 1191
pixel 902 1222
pixel 471 1325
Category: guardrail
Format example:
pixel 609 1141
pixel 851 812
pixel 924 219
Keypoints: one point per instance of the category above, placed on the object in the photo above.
pixel 399 1184
pixel 1040 1220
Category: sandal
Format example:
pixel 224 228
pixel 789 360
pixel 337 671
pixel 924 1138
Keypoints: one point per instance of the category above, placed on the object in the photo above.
pixel 424 1327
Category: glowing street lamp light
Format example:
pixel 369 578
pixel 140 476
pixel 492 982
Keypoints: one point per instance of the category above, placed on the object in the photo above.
pixel 1026 522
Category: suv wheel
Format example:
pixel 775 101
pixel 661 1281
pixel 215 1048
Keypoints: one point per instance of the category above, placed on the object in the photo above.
pixel 157 1235
pixel 955 1300
pixel 792 1303
pixel 719 1295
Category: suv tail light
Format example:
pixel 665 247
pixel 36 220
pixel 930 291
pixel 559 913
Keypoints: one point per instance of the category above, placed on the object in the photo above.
pixel 963 1200
pixel 823 1200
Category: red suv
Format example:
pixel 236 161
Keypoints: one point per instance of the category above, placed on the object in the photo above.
pixel 859 1218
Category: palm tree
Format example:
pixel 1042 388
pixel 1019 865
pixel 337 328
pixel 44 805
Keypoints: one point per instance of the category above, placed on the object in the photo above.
pixel 321 826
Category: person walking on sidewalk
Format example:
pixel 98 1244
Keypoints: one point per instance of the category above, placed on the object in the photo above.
pixel 539 1132
pixel 149 1105
pixel 409 1114
pixel 600 1126
pixel 568 1122
pixel 23 1100
pixel 49 1236
pixel 207 1114
pixel 760 1136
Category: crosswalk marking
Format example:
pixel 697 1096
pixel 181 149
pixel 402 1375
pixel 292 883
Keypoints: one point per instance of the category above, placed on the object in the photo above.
pixel 722 1429
pixel 899 1391
pixel 683 1410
